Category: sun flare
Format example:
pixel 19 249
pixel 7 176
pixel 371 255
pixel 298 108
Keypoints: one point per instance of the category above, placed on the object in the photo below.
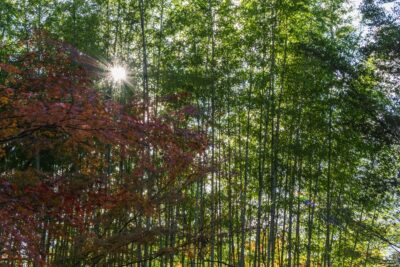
pixel 118 73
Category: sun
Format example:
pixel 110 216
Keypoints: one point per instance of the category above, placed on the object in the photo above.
pixel 118 73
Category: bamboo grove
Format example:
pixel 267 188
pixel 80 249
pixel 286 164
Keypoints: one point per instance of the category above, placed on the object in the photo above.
pixel 248 133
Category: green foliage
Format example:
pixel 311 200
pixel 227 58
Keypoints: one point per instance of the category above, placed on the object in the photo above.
pixel 302 115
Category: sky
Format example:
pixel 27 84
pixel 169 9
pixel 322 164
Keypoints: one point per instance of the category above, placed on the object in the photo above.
pixel 355 4
pixel 356 12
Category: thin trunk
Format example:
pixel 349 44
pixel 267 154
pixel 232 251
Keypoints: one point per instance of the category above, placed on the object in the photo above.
pixel 213 166
pixel 312 205
pixel 243 194
pixel 327 252
pixel 145 82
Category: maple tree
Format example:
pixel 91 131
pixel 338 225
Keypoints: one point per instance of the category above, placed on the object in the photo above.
pixel 75 161
pixel 103 160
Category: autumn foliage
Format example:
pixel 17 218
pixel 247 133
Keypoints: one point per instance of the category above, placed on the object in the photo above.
pixel 75 164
